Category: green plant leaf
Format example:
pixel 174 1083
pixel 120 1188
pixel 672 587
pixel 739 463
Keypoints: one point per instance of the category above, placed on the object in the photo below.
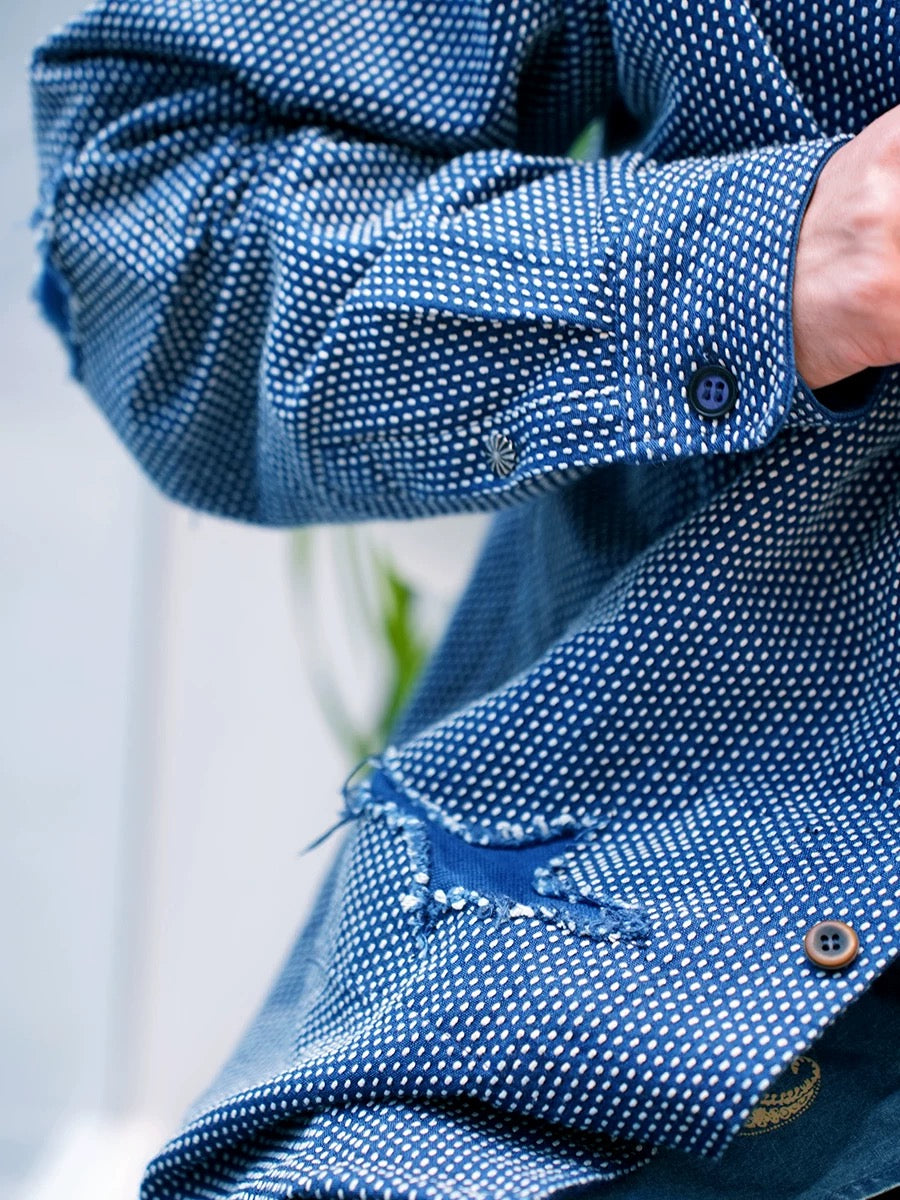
pixel 391 621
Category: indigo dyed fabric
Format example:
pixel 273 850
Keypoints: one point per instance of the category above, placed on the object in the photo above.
pixel 324 262
pixel 830 1127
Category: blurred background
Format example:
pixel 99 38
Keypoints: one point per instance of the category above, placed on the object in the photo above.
pixel 182 698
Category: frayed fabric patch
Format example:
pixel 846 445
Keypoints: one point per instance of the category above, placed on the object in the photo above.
pixel 556 879
pixel 538 828
pixel 448 874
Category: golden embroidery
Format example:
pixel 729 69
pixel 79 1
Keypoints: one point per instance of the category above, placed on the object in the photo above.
pixel 776 1108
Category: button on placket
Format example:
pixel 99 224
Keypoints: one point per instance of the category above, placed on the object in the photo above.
pixel 712 390
pixel 831 944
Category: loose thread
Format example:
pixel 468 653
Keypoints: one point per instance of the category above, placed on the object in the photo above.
pixel 352 808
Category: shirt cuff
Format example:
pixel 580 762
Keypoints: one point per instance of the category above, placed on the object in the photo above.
pixel 845 402
pixel 703 272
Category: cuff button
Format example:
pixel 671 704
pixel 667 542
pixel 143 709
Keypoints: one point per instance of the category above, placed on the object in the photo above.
pixel 501 452
pixel 712 390
pixel 831 944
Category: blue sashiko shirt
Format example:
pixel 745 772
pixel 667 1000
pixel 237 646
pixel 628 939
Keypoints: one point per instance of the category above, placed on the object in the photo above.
pixel 330 262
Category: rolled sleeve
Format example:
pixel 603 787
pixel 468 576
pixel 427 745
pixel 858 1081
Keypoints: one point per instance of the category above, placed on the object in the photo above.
pixel 303 287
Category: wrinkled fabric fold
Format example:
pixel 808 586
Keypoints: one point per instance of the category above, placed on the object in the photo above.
pixel 330 262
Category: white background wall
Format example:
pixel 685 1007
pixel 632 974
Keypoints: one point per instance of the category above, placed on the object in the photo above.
pixel 162 757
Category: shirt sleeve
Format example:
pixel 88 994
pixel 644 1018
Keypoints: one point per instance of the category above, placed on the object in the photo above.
pixel 327 262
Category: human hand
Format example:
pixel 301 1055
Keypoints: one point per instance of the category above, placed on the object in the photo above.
pixel 846 291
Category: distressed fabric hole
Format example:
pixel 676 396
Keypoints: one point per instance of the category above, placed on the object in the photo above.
pixel 509 882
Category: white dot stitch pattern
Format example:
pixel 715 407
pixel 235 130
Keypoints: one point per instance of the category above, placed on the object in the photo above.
pixel 322 262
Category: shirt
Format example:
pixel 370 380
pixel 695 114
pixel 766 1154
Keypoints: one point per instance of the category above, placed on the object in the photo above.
pixel 321 262
pixel 828 1127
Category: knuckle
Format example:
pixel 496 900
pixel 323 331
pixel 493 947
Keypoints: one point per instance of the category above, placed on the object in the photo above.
pixel 880 169
pixel 870 288
pixel 882 135
pixel 875 196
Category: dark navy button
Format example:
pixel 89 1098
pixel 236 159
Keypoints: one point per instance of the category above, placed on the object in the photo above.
pixel 712 390
pixel 831 944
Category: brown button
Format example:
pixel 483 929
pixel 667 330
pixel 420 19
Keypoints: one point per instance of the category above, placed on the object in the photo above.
pixel 831 944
